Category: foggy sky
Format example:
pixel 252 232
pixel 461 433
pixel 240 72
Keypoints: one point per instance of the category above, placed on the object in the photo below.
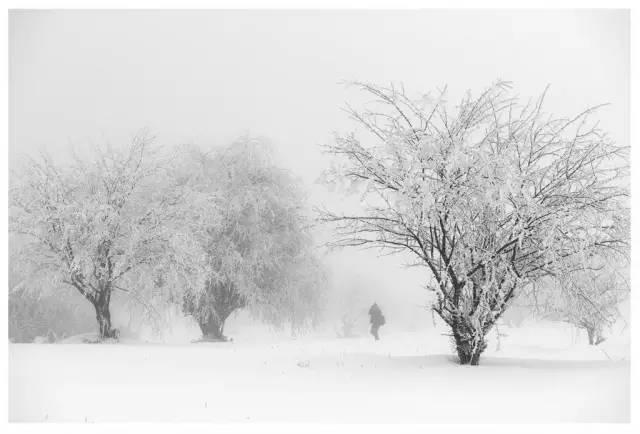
pixel 206 77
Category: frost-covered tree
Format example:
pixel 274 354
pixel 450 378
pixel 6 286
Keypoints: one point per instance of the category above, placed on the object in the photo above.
pixel 488 195
pixel 302 295
pixel 245 217
pixel 90 224
pixel 587 295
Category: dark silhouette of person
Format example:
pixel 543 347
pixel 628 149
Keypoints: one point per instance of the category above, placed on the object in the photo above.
pixel 376 318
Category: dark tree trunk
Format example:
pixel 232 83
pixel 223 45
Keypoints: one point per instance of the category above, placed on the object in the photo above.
pixel 470 343
pixel 468 351
pixel 213 329
pixel 103 316
pixel 100 300
pixel 459 307
pixel 218 301
pixel 212 307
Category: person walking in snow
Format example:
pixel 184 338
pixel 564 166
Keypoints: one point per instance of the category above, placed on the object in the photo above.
pixel 376 318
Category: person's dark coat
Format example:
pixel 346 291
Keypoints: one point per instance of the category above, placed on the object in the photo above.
pixel 376 318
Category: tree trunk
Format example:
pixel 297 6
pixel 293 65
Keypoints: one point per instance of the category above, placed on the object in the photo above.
pixel 103 316
pixel 212 307
pixel 469 343
pixel 100 301
pixel 595 337
pixel 213 329
pixel 468 351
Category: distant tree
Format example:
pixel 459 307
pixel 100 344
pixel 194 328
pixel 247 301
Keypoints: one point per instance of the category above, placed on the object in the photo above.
pixel 488 195
pixel 90 224
pixel 352 308
pixel 309 295
pixel 587 295
pixel 303 293
pixel 245 216
pixel 520 309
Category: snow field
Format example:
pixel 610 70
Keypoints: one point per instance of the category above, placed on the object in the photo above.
pixel 538 375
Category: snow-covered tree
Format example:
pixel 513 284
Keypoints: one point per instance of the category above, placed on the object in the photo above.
pixel 246 217
pixel 302 295
pixel 352 310
pixel 489 195
pixel 587 295
pixel 91 224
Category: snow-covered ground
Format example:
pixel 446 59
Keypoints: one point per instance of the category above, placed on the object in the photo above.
pixel 541 373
